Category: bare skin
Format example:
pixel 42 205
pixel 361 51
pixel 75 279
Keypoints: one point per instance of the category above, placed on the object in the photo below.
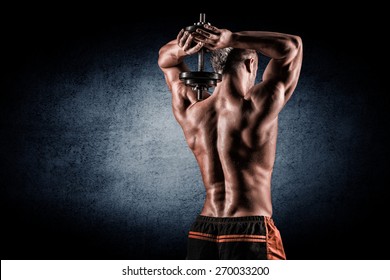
pixel 233 131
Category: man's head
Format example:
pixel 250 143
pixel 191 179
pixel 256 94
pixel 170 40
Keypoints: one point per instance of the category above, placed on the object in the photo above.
pixel 227 60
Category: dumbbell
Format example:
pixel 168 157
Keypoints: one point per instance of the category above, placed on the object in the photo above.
pixel 200 80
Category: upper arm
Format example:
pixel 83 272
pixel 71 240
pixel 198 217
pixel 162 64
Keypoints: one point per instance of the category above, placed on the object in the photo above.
pixel 181 94
pixel 281 75
pixel 280 79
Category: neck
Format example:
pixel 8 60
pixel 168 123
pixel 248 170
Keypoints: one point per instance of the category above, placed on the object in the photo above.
pixel 231 86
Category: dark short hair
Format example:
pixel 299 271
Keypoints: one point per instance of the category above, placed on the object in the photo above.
pixel 226 60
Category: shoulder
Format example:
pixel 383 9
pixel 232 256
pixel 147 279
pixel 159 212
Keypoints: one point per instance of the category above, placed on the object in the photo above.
pixel 269 90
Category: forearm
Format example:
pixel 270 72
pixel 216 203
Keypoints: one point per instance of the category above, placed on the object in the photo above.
pixel 171 55
pixel 272 44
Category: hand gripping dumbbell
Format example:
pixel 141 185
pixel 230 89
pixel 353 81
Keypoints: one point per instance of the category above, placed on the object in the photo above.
pixel 200 80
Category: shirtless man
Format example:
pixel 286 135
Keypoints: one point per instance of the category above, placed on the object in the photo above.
pixel 232 133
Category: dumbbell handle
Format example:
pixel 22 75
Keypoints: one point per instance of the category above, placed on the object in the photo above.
pixel 202 21
pixel 202 17
pixel 201 60
pixel 200 81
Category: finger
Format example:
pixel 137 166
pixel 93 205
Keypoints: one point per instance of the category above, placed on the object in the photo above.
pixel 187 43
pixel 183 39
pixel 207 37
pixel 213 29
pixel 206 41
pixel 207 46
pixel 195 49
pixel 198 38
pixel 203 32
pixel 180 34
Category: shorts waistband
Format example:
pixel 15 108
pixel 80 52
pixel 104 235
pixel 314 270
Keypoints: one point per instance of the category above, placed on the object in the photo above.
pixel 209 219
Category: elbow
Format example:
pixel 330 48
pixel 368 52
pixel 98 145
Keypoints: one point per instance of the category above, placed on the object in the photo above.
pixel 160 62
pixel 296 42
pixel 291 47
pixel 161 57
pixel 167 56
pixel 294 46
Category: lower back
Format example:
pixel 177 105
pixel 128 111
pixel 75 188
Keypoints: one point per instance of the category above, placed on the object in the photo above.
pixel 249 197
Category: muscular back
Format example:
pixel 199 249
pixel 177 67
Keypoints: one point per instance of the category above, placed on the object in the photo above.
pixel 234 143
pixel 233 132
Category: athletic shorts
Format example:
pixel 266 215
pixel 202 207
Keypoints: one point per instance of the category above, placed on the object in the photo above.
pixel 238 238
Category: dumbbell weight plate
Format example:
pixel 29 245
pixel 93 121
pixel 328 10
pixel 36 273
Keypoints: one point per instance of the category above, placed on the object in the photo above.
pixel 207 79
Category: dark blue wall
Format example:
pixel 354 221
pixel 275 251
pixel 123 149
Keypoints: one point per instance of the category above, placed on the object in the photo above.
pixel 94 166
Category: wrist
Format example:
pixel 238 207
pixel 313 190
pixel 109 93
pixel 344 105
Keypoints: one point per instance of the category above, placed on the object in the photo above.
pixel 234 40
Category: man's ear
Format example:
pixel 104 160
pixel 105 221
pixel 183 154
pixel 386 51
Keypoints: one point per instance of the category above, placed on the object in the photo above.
pixel 249 64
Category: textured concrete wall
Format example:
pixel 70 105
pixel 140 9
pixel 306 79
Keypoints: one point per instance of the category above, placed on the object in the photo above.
pixel 95 166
